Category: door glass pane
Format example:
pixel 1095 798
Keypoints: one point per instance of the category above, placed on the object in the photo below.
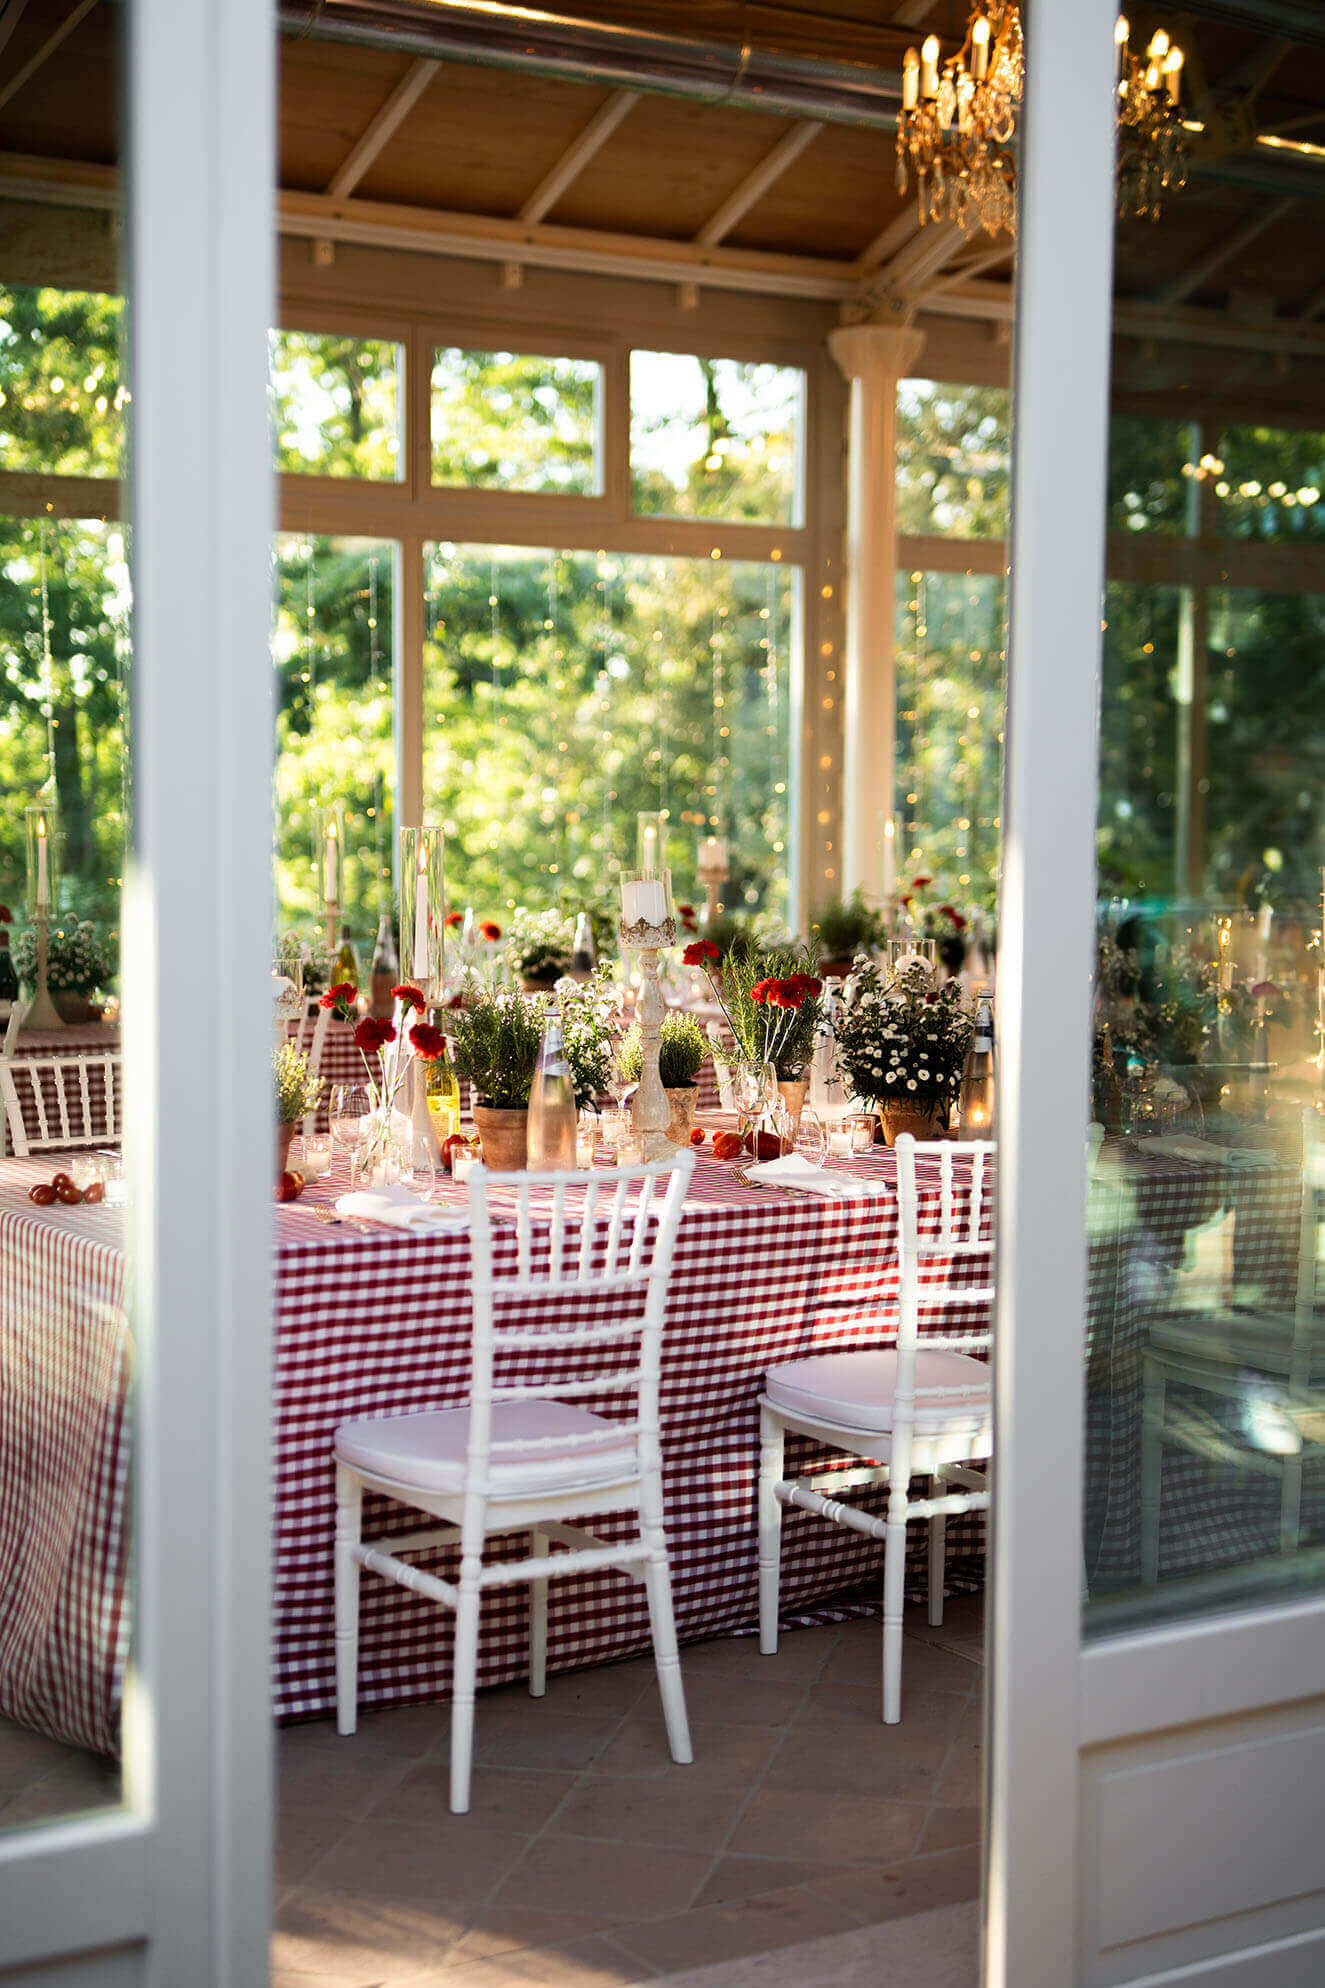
pixel 598 687
pixel 514 421
pixel 1206 1327
pixel 67 1328
pixel 715 438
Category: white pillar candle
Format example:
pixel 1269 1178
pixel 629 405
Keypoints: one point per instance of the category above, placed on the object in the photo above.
pixel 330 867
pixel 712 854
pixel 649 852
pixel 646 900
pixel 421 916
pixel 43 872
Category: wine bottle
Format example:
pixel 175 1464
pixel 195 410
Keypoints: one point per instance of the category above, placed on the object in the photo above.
pixel 385 971
pixel 552 1104
pixel 8 977
pixel 347 960
pixel 443 1096
pixel 584 954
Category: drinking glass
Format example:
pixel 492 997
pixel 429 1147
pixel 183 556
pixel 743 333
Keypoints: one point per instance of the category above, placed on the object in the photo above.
pixel 755 1085
pixel 812 1137
pixel 586 1138
pixel 619 1084
pixel 316 1155
pixel 349 1106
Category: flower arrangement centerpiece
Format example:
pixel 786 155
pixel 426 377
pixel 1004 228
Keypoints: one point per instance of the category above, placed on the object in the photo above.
pixel 682 1052
pixel 393 1045
pixel 539 946
pixel 297 1093
pixel 495 1040
pixel 341 1000
pixel 903 1049
pixel 771 997
pixel 77 964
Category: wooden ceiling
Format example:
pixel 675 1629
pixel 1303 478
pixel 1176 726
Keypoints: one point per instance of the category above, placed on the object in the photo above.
pixel 803 200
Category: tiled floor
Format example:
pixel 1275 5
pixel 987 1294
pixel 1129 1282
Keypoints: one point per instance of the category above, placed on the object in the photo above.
pixel 589 1860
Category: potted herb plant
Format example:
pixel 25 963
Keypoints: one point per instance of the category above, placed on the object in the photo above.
pixel 681 1056
pixel 495 1041
pixel 771 998
pixel 844 927
pixel 298 1092
pixel 539 946
pixel 904 1050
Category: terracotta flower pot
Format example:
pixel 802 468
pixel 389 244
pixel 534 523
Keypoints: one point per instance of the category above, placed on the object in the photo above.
pixel 681 1104
pixel 921 1121
pixel 72 1008
pixel 505 1136
pixel 284 1134
pixel 794 1092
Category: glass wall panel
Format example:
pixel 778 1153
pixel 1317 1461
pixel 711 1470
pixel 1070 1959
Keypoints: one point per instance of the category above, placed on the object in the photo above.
pixel 62 394
pixel 952 459
pixel 333 650
pixel 515 421
pixel 1205 1452
pixel 337 404
pixel 564 692
pixel 715 438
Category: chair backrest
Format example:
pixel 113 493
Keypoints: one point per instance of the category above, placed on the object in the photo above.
pixel 17 1012
pixel 609 1252
pixel 962 1234
pixel 60 1101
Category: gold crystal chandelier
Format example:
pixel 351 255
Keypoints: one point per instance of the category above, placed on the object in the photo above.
pixel 957 120
pixel 1152 149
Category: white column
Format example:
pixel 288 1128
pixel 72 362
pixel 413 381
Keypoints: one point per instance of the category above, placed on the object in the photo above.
pixel 873 357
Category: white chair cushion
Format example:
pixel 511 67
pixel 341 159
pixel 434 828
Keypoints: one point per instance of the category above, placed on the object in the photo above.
pixel 856 1390
pixel 428 1451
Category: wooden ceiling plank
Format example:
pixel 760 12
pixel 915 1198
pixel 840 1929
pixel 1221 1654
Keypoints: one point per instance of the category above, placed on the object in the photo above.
pixel 974 265
pixel 383 127
pixel 912 12
pixel 578 154
pixel 9 20
pixel 899 231
pixel 48 48
pixel 1190 280
pixel 756 184
pixel 915 265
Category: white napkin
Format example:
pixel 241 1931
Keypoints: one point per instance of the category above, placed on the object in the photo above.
pixel 793 1170
pixel 1185 1146
pixel 399 1209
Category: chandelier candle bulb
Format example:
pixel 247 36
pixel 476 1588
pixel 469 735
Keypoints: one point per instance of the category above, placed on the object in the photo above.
pixel 979 48
pixel 929 73
pixel 910 80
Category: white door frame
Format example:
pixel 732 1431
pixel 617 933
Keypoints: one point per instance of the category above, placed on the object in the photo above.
pixel 175 1887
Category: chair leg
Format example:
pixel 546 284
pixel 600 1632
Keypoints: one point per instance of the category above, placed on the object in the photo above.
pixel 1290 1511
pixel 463 1681
pixel 349 1527
pixel 771 1446
pixel 938 1529
pixel 894 1588
pixel 538 1547
pixel 658 1586
pixel 1152 1463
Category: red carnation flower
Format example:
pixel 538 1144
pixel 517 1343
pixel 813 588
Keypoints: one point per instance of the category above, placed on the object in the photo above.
pixel 490 931
pixel 954 917
pixel 6 915
pixel 342 996
pixel 427 1041
pixel 813 988
pixel 918 883
pixel 759 993
pixel 908 900
pixel 371 1035
pixel 698 952
pixel 453 918
pixel 409 994
pixel 783 995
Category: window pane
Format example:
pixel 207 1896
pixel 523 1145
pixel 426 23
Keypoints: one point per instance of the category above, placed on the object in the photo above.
pixel 336 404
pixel 952 459
pixel 62 399
pixel 564 693
pixel 1270 483
pixel 333 652
pixel 950 671
pixel 1152 486
pixel 513 421
pixel 715 438
pixel 1144 724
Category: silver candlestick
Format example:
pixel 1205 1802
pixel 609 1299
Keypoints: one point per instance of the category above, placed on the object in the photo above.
pixel 648 924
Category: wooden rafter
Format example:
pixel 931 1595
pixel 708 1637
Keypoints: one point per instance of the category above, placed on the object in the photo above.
pixel 756 184
pixel 383 127
pixel 577 155
pixel 916 264
pixel 1190 280
pixel 900 230
pixel 47 49
pixel 10 17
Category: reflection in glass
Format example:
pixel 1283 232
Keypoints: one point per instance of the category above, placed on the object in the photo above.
pixel 715 438
pixel 516 421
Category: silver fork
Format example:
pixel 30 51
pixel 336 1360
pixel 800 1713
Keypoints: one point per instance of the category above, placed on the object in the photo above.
pixel 324 1214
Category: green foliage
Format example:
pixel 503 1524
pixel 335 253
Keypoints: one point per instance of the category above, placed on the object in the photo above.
pixel 681 1054
pixel 335 404
pixel 765 1033
pixel 505 421
pixel 846 926
pixel 904 1046
pixel 297 1091
pixel 714 438
pixel 495 1043
pixel 953 453
pixel 539 944
pixel 77 960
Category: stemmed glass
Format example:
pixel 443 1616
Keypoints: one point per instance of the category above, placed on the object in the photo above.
pixel 755 1084
pixel 619 1084
pixel 349 1107
pixel 812 1137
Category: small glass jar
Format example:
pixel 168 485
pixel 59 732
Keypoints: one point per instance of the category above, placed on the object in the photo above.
pixel 862 1126
pixel 586 1138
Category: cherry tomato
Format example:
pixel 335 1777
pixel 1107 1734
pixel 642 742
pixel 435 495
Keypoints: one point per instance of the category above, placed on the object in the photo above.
pixel 59 1180
pixel 697 1135
pixel 67 1193
pixel 95 1191
pixel 43 1194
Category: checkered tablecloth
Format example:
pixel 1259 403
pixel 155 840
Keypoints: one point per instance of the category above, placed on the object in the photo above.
pixel 1146 1210
pixel 91 1039
pixel 377 1323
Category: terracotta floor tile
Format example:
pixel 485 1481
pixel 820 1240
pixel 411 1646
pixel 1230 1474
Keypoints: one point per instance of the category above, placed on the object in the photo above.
pixel 962 1780
pixel 735 1879
pixel 589 1963
pixel 611 1882
pixel 925 1666
pixel 26 1757
pixel 726 1756
pixel 830 1704
pixel 500 1797
pixel 744 1701
pixel 449 1867
pixel 302 1840
pixel 917 1886
pixel 342 1937
pixel 801 1653
pixel 836 1829
pixel 680 1814
pixel 75 1784
pixel 882 1763
pixel 409 1731
pixel 725 1932
pixel 344 1780
pixel 506 1929
pixel 952 1828
pixel 552 1740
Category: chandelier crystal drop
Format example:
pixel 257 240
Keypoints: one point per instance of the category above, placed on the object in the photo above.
pixel 957 121
pixel 1152 146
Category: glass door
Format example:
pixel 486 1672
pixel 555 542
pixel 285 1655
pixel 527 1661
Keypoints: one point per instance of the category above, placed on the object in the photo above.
pixel 134 870
pixel 1155 1755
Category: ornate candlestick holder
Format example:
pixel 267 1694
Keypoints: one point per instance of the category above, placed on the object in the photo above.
pixel 713 872
pixel 648 924
pixel 43 1014
pixel 44 842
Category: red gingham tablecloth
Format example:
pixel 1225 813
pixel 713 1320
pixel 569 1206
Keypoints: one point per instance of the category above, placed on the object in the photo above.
pixel 377 1323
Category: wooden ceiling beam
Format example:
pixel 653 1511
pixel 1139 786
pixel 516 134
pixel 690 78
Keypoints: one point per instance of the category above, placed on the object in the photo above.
pixel 1190 280
pixel 382 128
pixel 47 49
pixel 10 17
pixel 578 154
pixel 886 243
pixel 915 265
pixel 756 184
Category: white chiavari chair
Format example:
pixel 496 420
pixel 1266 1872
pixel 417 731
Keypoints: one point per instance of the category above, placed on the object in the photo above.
pixel 70 1100
pixel 922 1406
pixel 17 1013
pixel 525 1456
